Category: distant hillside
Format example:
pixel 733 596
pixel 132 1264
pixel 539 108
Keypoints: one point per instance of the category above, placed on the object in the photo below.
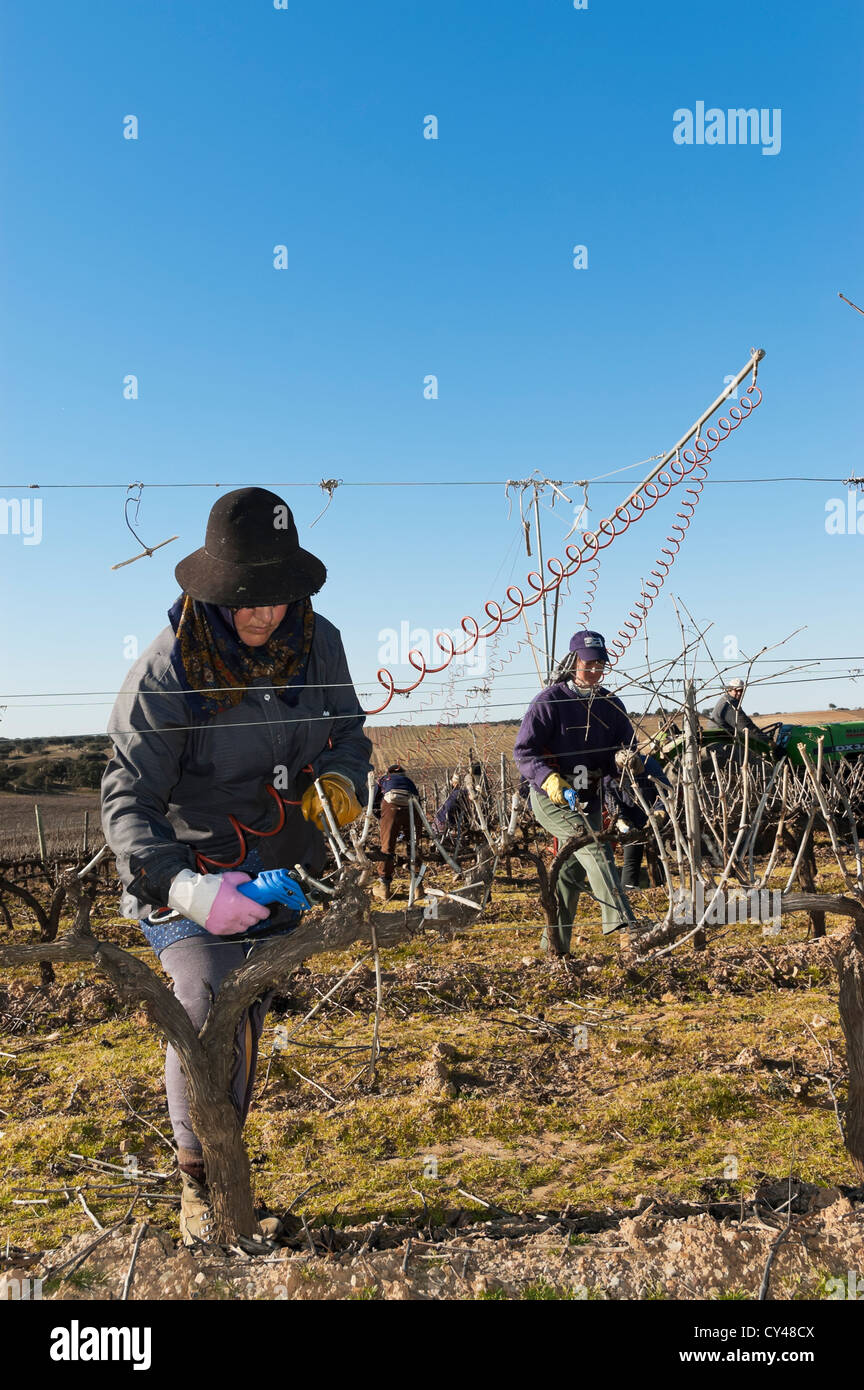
pixel 433 750
pixel 73 762
pixel 57 764
pixel 62 774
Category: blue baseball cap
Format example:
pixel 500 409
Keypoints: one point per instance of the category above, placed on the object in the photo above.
pixel 591 646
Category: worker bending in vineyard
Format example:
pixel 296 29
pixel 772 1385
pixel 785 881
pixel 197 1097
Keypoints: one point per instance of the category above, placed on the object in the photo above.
pixel 392 805
pixel 624 810
pixel 574 733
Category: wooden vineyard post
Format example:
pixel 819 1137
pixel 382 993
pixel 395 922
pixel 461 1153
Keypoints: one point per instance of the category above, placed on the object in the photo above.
pixel 40 833
pixel 691 800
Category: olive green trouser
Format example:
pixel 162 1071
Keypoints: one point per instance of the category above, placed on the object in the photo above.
pixel 593 863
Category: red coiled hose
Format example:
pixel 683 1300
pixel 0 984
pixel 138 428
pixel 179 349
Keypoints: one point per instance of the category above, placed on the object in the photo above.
pixel 647 496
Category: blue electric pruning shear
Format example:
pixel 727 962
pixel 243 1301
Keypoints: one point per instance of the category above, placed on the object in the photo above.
pixel 276 886
pixel 273 886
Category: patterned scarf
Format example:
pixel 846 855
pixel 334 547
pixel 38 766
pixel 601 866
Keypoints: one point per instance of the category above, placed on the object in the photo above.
pixel 208 655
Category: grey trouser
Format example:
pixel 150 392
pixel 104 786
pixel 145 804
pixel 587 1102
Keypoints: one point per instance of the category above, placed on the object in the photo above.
pixel 594 863
pixel 198 965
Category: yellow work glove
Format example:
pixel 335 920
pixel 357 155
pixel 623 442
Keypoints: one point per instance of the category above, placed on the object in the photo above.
pixel 343 802
pixel 555 787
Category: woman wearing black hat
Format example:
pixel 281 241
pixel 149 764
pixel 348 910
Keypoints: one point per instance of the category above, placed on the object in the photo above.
pixel 219 732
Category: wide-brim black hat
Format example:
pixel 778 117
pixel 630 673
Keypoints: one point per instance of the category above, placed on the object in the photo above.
pixel 251 556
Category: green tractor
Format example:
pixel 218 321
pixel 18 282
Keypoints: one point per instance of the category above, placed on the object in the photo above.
pixel 840 742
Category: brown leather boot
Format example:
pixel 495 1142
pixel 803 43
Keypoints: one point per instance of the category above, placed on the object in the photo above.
pixel 196 1214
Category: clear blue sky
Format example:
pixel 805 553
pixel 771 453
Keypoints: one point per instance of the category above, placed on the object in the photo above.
pixel 409 257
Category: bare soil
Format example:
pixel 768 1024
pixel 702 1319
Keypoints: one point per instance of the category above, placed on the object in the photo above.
pixel 719 1252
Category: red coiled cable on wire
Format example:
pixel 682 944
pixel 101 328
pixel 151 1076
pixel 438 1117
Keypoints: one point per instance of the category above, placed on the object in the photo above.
pixel 592 579
pixel 650 588
pixel 623 517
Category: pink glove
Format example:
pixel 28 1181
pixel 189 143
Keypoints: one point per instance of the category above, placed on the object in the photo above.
pixel 231 912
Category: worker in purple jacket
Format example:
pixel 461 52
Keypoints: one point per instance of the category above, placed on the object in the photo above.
pixel 574 733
